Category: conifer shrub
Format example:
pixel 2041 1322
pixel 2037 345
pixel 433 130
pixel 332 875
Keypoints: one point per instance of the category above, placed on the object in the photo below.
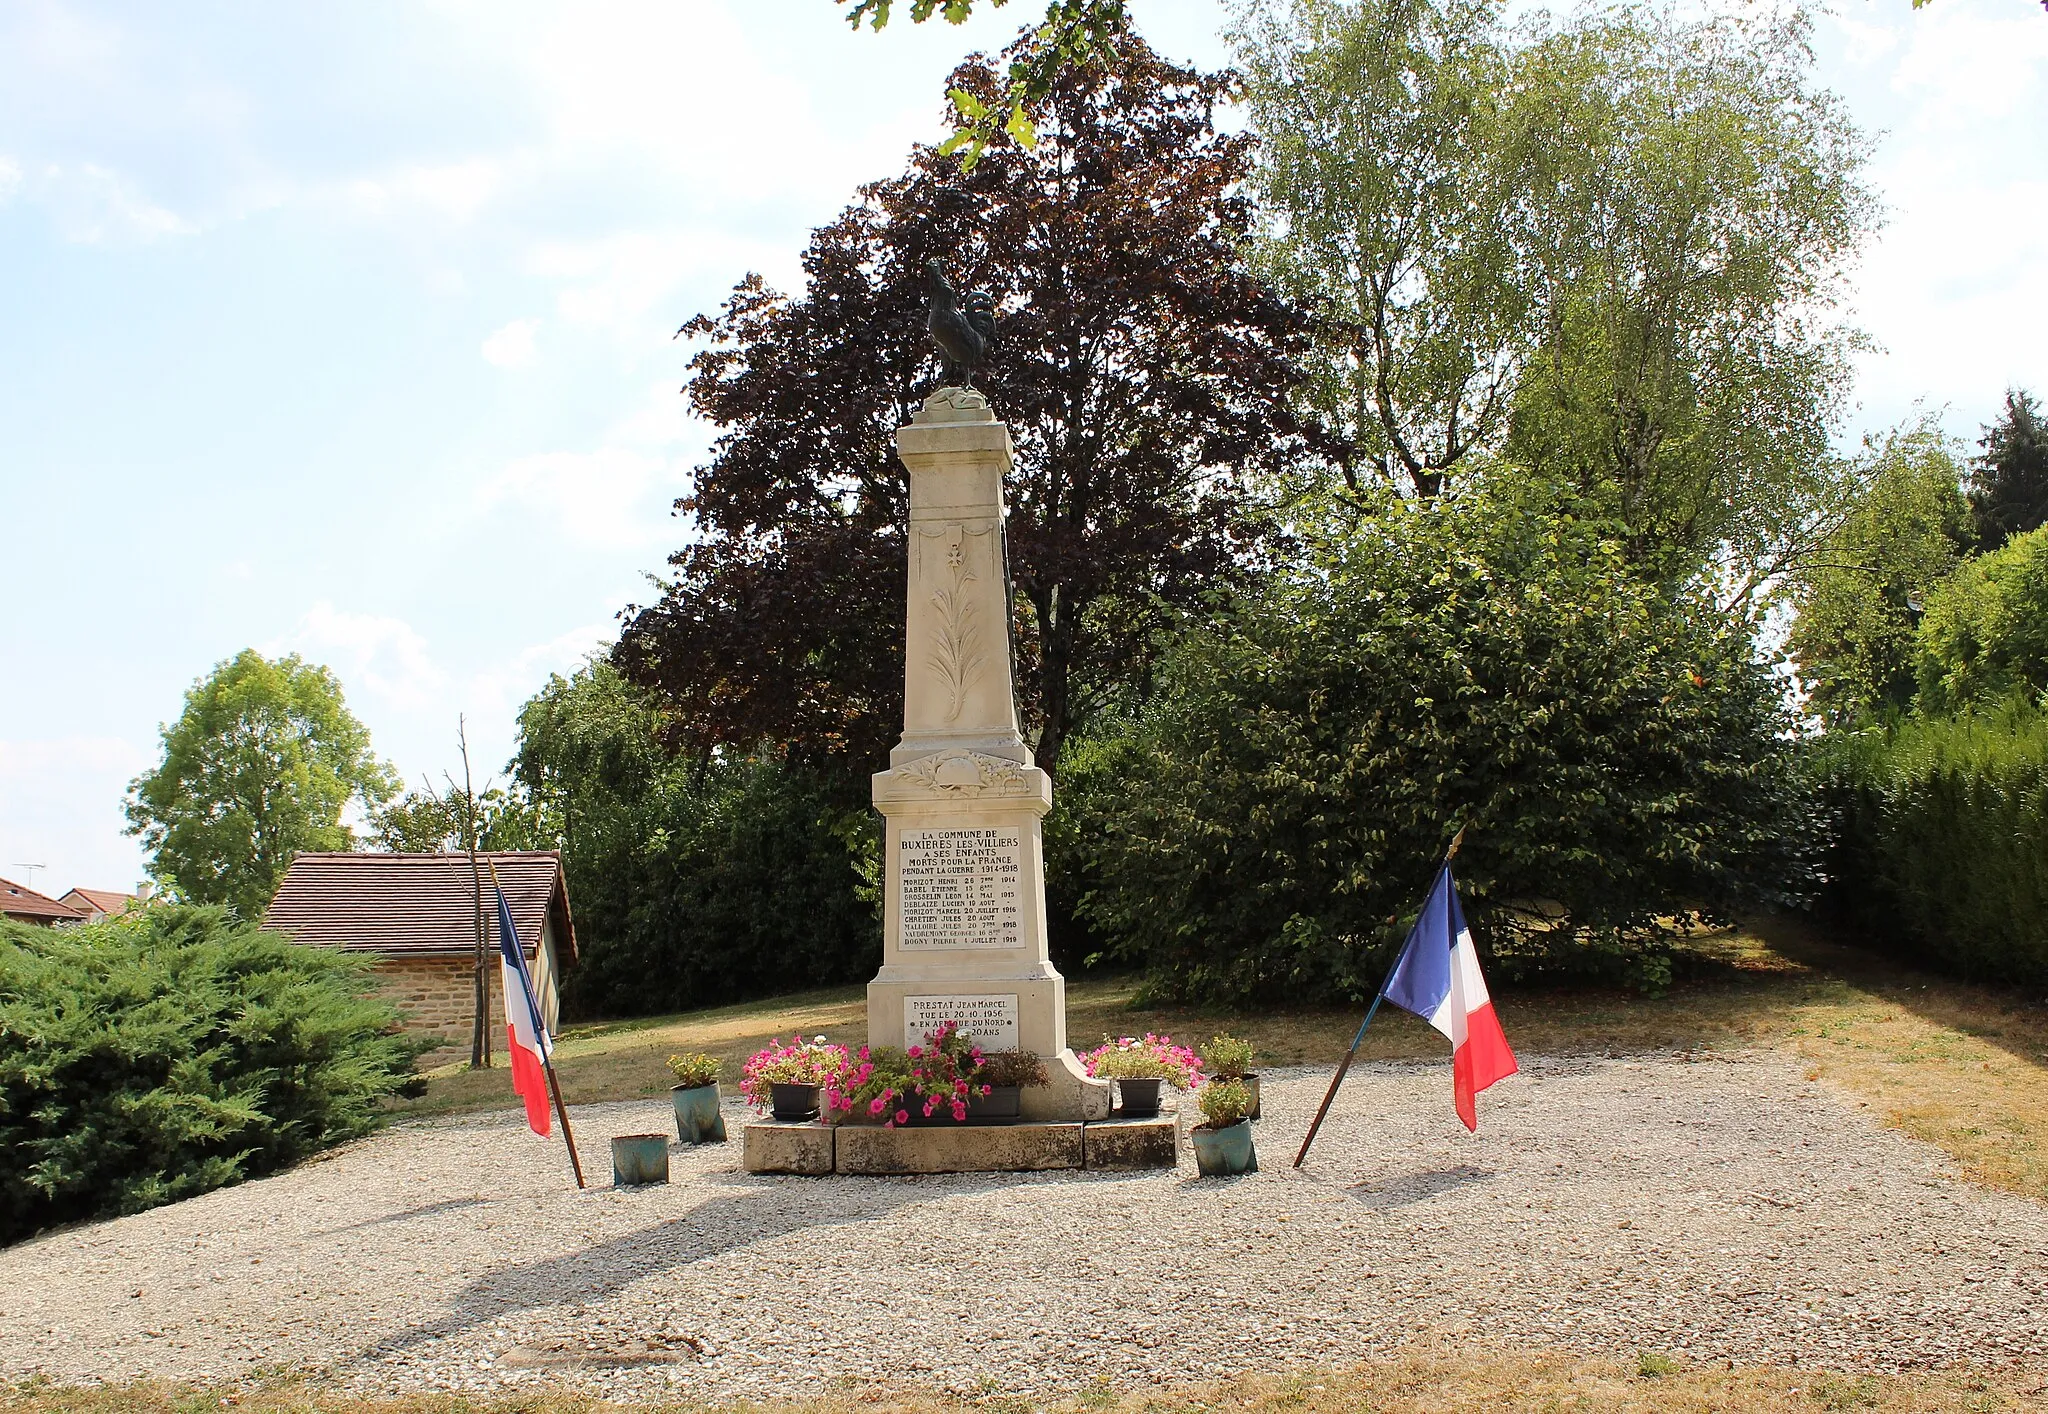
pixel 1940 840
pixel 157 1056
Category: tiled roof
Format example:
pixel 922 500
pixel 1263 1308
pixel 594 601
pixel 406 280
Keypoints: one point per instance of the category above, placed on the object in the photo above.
pixel 107 901
pixel 418 903
pixel 18 901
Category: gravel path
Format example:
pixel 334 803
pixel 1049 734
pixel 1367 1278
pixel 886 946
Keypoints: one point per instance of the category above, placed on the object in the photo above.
pixel 1711 1206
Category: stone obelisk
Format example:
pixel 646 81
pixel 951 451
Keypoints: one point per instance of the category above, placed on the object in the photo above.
pixel 963 933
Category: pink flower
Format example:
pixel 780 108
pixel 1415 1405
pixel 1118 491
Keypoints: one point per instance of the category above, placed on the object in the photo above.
pixel 903 1116
pixel 875 1105
pixel 959 1110
pixel 916 1052
pixel 959 1087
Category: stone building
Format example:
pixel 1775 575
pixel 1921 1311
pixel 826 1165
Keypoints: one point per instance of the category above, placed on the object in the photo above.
pixel 417 914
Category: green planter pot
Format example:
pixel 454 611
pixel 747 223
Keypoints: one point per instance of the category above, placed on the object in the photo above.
pixel 1222 1153
pixel 639 1158
pixel 698 1118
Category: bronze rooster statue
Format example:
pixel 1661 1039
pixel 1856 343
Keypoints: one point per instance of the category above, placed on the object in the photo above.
pixel 964 330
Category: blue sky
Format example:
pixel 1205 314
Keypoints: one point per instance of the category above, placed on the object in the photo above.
pixel 345 329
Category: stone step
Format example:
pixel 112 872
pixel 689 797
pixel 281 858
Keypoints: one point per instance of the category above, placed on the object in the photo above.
pixel 774 1146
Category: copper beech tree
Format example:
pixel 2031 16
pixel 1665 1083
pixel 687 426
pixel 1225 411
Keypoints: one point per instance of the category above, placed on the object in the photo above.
pixel 1144 372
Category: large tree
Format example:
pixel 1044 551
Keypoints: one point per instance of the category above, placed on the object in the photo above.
pixel 2009 484
pixel 1859 600
pixel 1610 250
pixel 1145 374
pixel 259 765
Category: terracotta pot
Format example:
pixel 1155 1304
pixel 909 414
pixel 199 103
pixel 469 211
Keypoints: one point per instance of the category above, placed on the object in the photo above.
pixel 698 1118
pixel 1221 1153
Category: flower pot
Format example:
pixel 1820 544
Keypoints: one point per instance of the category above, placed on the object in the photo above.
pixel 1138 1099
pixel 698 1120
pixel 1220 1153
pixel 914 1104
pixel 1001 1102
pixel 793 1101
pixel 639 1158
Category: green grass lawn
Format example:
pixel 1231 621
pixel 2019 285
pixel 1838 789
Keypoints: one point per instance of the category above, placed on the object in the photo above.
pixel 1959 1066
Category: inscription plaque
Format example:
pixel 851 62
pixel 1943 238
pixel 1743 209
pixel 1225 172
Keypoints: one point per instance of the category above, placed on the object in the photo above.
pixel 960 888
pixel 990 1019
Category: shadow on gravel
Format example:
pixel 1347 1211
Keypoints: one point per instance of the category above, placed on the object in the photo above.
pixel 424 1210
pixel 750 1209
pixel 1401 1191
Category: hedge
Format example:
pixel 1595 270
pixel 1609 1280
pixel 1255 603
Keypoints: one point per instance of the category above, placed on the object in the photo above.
pixel 1941 840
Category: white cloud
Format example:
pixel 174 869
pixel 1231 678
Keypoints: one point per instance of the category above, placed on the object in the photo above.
pixel 384 657
pixel 95 206
pixel 512 346
pixel 1963 68
pixel 616 494
pixel 10 177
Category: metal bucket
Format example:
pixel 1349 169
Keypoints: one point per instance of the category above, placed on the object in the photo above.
pixel 639 1158
pixel 698 1118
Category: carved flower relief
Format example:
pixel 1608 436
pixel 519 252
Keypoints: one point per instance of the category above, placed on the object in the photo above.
pixel 962 772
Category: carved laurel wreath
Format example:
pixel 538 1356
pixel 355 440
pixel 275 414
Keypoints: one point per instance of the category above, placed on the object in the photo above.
pixel 959 771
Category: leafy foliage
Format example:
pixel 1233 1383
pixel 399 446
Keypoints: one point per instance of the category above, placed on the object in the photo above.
pixel 1859 600
pixel 1074 32
pixel 1985 634
pixel 172 1051
pixel 695 880
pixel 1607 248
pixel 258 766
pixel 1224 1102
pixel 1146 377
pixel 1941 839
pixel 1227 1057
pixel 1617 750
pixel 2009 492
pixel 428 822
pixel 695 1069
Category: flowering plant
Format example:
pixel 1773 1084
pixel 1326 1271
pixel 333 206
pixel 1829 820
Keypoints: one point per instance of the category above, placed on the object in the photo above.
pixel 1150 1058
pixel 801 1062
pixel 695 1070
pixel 1225 1102
pixel 1227 1057
pixel 887 1086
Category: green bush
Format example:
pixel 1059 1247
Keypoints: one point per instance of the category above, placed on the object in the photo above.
pixel 155 1057
pixel 1941 839
pixel 1985 632
pixel 694 881
pixel 1620 755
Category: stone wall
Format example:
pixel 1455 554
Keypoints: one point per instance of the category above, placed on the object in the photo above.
pixel 438 995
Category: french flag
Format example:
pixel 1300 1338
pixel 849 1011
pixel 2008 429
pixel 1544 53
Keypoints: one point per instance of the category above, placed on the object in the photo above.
pixel 1437 978
pixel 525 1033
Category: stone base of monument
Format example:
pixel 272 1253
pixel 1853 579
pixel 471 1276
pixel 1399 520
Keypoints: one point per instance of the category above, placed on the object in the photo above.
pixel 814 1148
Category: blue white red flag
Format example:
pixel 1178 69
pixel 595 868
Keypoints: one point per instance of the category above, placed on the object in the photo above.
pixel 526 1034
pixel 1437 977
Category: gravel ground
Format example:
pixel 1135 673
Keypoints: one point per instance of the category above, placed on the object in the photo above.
pixel 1713 1207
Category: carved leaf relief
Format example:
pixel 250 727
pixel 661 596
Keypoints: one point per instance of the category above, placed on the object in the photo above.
pixel 955 653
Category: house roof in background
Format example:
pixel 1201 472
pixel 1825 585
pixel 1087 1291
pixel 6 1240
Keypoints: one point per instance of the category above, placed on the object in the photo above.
pixel 107 901
pixel 418 903
pixel 20 901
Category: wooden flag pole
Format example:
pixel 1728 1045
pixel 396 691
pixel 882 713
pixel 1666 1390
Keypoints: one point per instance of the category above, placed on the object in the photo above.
pixel 1344 1065
pixel 548 1065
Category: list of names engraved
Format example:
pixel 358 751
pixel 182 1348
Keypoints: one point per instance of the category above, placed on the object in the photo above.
pixel 961 888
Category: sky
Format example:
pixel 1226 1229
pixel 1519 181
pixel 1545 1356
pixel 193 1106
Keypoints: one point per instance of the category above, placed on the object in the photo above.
pixel 345 330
